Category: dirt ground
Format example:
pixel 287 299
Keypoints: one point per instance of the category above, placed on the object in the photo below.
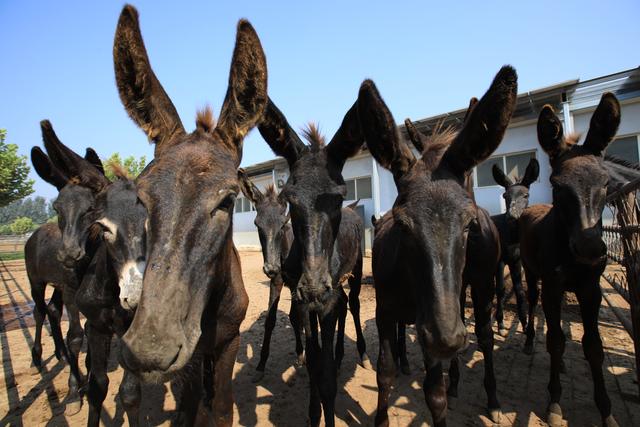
pixel 281 397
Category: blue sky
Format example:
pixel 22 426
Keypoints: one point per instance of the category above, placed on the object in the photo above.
pixel 426 58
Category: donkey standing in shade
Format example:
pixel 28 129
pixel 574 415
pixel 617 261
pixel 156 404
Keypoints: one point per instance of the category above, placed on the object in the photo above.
pixel 516 197
pixel 433 239
pixel 276 236
pixel 111 288
pixel 79 180
pixel 325 249
pixel 193 300
pixel 562 243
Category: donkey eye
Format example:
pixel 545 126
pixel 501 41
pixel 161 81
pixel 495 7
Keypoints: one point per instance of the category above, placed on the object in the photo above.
pixel 226 205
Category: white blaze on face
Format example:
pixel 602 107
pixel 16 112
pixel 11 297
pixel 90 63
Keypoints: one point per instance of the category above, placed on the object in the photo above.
pixel 131 284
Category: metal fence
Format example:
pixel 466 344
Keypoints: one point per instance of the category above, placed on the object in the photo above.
pixel 621 233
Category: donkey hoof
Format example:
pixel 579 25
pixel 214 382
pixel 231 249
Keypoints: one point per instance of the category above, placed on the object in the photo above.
pixel 495 415
pixel 73 408
pixel 610 422
pixel 257 376
pixel 554 415
pixel 366 363
pixel 528 348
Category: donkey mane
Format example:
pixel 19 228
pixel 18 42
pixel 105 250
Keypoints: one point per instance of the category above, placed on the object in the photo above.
pixel 312 134
pixel 119 171
pixel 270 192
pixel 622 162
pixel 437 143
pixel 205 120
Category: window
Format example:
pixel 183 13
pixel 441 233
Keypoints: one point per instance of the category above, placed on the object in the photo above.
pixel 358 188
pixel 625 148
pixel 513 164
pixel 243 205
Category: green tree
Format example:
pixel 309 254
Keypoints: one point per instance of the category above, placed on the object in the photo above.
pixel 14 173
pixel 35 208
pixel 130 165
pixel 22 225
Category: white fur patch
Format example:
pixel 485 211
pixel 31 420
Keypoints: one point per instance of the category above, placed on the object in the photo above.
pixel 110 229
pixel 131 284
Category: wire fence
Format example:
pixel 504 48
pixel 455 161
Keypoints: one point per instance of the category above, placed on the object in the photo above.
pixel 621 233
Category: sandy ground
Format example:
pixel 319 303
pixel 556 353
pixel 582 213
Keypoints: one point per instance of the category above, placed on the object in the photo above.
pixel 281 397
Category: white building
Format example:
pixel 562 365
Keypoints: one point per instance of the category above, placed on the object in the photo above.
pixel 574 102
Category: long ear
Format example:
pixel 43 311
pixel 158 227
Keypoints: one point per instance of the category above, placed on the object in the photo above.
pixel 486 124
pixel 69 163
pixel 250 191
pixel 46 170
pixel 140 91
pixel 531 174
pixel 604 124
pixel 472 104
pixel 246 96
pixel 500 178
pixel 348 139
pixel 418 140
pixel 282 139
pixel 550 132
pixel 381 133
pixel 92 157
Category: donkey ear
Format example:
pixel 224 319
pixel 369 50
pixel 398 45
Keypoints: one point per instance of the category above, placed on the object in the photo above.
pixel 246 96
pixel 282 139
pixel 348 139
pixel 380 131
pixel 486 124
pixel 46 170
pixel 69 163
pixel 418 140
pixel 140 91
pixel 604 124
pixel 550 132
pixel 92 157
pixel 531 174
pixel 248 189
pixel 500 178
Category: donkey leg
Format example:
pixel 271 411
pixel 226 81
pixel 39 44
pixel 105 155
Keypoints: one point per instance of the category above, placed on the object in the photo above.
pixel 39 313
pixel 482 296
pixel 589 299
pixel 54 312
pixel 130 395
pixel 386 366
pixel 435 393
pixel 313 363
pixel 294 318
pixel 355 283
pixel 98 385
pixel 341 308
pixel 327 383
pixel 190 400
pixel 402 349
pixel 532 296
pixel 551 303
pixel 75 336
pixel 516 278
pixel 223 372
pixel 454 376
pixel 500 293
pixel 275 288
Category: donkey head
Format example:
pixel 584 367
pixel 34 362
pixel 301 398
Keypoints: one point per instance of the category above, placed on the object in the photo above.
pixel 516 194
pixel 121 218
pixel 271 221
pixel 189 192
pixel 78 181
pixel 579 178
pixel 315 191
pixel 434 211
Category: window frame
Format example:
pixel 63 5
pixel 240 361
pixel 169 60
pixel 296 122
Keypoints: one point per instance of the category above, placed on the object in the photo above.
pixel 629 135
pixel 355 186
pixel 504 166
